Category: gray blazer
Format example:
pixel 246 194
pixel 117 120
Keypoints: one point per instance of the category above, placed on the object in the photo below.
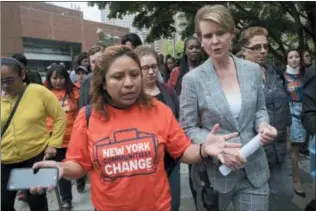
pixel 203 104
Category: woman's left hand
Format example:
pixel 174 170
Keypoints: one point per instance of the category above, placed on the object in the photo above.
pixel 267 133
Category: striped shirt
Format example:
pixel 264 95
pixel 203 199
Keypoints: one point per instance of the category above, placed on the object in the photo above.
pixel 294 86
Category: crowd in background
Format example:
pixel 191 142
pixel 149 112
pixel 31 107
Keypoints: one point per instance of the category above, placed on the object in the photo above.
pixel 53 117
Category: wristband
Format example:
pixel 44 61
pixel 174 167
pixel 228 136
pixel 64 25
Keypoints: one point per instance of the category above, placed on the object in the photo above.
pixel 201 152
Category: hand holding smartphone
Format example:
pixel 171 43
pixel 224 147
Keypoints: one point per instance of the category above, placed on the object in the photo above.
pixel 26 178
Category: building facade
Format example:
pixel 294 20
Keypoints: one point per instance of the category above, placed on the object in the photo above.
pixel 47 33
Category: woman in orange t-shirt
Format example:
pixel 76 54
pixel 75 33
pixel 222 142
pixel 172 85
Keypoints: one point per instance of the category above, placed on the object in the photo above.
pixel 58 81
pixel 123 144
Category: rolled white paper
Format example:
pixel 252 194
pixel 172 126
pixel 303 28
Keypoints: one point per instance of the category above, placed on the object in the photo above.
pixel 248 149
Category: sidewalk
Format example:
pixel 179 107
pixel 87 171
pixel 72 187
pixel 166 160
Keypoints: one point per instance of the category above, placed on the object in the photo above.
pixel 81 202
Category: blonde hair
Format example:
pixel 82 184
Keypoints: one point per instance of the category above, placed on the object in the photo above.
pixel 143 50
pixel 217 13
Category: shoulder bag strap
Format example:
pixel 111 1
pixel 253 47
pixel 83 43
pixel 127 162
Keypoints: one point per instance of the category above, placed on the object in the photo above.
pixel 88 114
pixel 13 111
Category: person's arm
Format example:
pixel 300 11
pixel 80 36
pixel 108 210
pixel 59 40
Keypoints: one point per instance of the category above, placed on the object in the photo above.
pixel 308 114
pixel 179 145
pixel 189 111
pixel 77 162
pixel 58 115
pixel 261 119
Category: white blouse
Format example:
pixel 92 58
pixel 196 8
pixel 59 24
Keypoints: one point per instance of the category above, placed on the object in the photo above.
pixel 234 102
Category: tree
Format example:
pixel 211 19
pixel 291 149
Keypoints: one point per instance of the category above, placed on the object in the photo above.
pixel 168 48
pixel 282 19
pixel 106 40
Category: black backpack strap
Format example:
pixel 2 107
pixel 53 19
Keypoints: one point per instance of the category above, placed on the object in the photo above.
pixel 13 111
pixel 88 114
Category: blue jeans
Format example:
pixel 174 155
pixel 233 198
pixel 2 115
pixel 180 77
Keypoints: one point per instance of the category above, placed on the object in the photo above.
pixel 312 157
pixel 174 182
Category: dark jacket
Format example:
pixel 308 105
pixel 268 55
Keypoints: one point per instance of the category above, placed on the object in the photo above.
pixel 170 97
pixel 33 77
pixel 277 104
pixel 84 98
pixel 308 114
pixel 172 101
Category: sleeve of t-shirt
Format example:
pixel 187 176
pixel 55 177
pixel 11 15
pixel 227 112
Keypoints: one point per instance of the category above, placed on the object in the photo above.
pixel 177 141
pixel 78 150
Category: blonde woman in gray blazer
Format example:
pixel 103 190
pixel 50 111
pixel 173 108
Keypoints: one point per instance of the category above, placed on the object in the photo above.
pixel 228 91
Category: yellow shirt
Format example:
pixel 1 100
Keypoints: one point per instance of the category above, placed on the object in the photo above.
pixel 27 135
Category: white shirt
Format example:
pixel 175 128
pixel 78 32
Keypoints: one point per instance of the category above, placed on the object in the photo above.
pixel 234 102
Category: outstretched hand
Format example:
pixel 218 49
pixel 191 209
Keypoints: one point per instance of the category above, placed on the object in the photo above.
pixel 40 190
pixel 217 146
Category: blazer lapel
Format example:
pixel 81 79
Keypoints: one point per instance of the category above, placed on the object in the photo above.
pixel 242 79
pixel 215 90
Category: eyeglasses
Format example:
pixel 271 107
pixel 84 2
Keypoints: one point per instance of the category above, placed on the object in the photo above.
pixel 258 47
pixel 147 67
pixel 9 81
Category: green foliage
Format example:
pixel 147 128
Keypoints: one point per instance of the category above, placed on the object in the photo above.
pixel 168 48
pixel 288 23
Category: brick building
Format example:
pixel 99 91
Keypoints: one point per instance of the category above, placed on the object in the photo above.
pixel 47 33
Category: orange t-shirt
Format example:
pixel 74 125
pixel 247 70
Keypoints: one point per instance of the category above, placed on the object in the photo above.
pixel 125 156
pixel 70 106
pixel 78 85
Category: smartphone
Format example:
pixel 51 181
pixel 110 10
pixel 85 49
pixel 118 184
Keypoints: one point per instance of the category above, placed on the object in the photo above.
pixel 25 178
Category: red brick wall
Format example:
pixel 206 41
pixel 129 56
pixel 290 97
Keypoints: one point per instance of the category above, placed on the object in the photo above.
pixel 11 40
pixel 48 24
pixel 53 9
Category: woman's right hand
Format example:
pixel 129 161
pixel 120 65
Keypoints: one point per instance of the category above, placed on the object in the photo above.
pixel 54 164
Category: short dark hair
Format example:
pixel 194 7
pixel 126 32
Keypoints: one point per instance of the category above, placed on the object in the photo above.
pixel 14 64
pixel 81 56
pixel 20 57
pixel 133 38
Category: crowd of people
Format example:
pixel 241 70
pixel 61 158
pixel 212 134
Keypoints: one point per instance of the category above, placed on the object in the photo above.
pixel 124 118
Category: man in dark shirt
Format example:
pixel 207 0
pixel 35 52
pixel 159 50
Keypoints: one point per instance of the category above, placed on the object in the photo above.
pixel 31 76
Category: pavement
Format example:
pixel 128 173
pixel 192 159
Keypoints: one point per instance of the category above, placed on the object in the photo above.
pixel 81 202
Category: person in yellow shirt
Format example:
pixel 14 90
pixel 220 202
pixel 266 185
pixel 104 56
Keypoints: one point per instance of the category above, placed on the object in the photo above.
pixel 25 139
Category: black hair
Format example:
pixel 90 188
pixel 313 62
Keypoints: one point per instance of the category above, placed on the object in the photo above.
pixel 169 57
pixel 21 58
pixel 61 71
pixel 184 67
pixel 302 67
pixel 14 64
pixel 81 56
pixel 133 38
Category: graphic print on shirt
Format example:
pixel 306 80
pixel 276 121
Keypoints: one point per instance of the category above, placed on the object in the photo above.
pixel 127 153
pixel 67 104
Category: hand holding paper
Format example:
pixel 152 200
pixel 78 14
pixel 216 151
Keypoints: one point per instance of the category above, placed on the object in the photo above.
pixel 247 150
